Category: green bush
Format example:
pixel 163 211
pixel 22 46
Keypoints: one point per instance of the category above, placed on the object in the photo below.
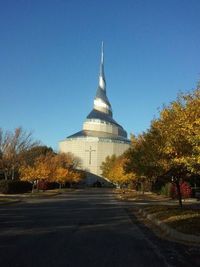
pixel 166 190
pixel 14 187
pixel 159 184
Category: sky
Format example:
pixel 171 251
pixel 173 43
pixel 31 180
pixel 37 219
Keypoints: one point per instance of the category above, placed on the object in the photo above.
pixel 50 56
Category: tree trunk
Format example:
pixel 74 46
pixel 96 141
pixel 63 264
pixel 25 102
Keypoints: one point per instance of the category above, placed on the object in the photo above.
pixel 142 187
pixel 13 173
pixel 6 175
pixel 37 185
pixel 33 187
pixel 179 194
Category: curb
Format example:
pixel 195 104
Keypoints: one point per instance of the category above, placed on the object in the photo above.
pixel 174 234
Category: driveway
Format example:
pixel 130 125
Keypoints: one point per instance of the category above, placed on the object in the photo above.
pixel 81 228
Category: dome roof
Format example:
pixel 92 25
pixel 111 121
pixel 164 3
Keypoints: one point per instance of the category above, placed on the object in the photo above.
pixel 98 115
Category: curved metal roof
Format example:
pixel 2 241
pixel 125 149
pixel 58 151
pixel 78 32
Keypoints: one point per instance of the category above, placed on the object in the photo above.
pixel 96 114
pixel 101 135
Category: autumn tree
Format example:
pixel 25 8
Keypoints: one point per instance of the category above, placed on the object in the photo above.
pixel 113 169
pixel 29 156
pixel 28 173
pixel 118 176
pixel 179 124
pixel 143 158
pixel 171 147
pixel 41 170
pixel 107 165
pixel 60 168
pixel 65 168
pixel 61 175
pixel 12 144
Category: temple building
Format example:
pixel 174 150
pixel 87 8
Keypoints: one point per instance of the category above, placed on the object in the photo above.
pixel 101 135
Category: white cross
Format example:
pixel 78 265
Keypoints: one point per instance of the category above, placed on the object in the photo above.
pixel 90 154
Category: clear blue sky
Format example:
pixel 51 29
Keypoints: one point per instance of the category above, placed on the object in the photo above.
pixel 50 53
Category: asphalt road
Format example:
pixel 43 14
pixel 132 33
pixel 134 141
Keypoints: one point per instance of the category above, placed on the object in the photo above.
pixel 83 228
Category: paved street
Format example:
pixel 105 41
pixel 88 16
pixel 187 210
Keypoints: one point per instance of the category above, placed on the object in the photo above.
pixel 81 228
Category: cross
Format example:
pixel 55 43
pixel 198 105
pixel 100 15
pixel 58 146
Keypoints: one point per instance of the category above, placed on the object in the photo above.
pixel 90 154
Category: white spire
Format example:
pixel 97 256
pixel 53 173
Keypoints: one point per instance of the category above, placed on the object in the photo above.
pixel 102 55
pixel 101 102
pixel 102 81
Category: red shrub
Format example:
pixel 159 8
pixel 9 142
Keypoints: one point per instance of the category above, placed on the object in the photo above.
pixel 42 185
pixel 185 188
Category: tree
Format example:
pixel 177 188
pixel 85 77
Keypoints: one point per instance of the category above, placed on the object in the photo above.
pixel 28 173
pixel 143 157
pixel 179 124
pixel 113 169
pixel 12 144
pixel 61 175
pixel 60 168
pixel 29 156
pixel 107 165
pixel 41 170
pixel 118 175
pixel 171 147
pixel 65 166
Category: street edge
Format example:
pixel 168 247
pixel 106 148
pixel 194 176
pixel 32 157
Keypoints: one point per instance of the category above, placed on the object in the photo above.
pixel 172 233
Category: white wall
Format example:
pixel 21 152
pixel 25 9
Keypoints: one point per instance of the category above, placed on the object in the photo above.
pixel 102 149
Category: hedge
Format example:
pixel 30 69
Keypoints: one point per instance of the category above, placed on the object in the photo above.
pixel 14 186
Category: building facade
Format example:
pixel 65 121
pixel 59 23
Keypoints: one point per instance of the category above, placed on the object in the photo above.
pixel 101 135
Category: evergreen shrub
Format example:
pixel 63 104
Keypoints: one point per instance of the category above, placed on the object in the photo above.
pixel 14 187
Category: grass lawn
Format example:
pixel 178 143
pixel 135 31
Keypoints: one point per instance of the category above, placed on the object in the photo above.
pixel 132 195
pixel 42 193
pixel 35 194
pixel 185 220
pixel 4 200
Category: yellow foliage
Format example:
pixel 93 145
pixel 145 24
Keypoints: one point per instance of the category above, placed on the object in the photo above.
pixel 171 143
pixel 61 175
pixel 27 173
pixel 114 167
pixel 52 168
